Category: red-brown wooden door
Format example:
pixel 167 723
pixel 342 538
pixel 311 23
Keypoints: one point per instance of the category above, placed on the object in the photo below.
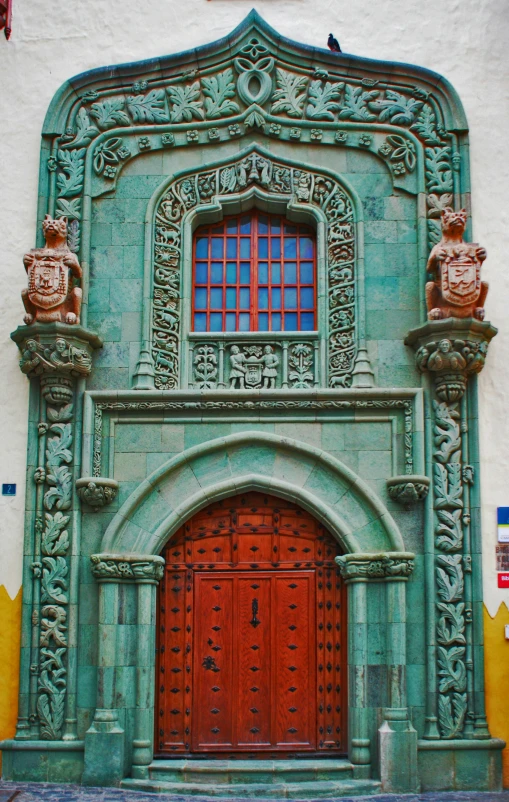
pixel 252 635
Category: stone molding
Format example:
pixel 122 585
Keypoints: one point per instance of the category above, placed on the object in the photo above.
pixel 127 567
pixel 389 566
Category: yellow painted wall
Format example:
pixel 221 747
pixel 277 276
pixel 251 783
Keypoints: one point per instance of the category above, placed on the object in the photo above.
pixel 10 617
pixel 496 663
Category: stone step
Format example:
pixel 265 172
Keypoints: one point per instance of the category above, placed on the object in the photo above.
pixel 301 790
pixel 250 771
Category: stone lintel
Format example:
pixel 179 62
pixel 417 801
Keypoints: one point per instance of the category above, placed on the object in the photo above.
pixel 127 567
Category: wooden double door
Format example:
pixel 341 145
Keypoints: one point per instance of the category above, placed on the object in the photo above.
pixel 251 634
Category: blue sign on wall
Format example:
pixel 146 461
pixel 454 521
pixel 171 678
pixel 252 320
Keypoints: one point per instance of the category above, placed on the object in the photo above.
pixel 503 524
pixel 8 490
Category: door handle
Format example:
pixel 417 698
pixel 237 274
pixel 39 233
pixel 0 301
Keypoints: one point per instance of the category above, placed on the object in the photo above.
pixel 254 609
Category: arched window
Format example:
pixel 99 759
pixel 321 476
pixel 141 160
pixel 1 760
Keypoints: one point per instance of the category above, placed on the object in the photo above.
pixel 254 272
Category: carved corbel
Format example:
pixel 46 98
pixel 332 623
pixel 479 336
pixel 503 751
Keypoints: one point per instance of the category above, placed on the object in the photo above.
pixel 127 567
pixel 451 350
pixel 384 566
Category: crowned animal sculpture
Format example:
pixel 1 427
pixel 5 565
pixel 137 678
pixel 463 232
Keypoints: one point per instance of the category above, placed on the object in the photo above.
pixel 456 289
pixel 51 296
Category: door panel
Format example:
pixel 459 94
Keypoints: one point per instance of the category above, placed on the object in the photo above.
pixel 251 634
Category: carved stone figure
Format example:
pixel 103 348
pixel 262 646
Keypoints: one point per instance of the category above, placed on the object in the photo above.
pixel 270 362
pixel 50 296
pixel 456 289
pixel 238 371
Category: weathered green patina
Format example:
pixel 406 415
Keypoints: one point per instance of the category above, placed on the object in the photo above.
pixel 379 445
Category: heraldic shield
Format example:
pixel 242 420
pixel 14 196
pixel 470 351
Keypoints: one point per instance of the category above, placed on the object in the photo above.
pixel 48 280
pixel 461 279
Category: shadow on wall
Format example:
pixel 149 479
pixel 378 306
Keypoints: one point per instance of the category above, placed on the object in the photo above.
pixel 496 663
pixel 10 616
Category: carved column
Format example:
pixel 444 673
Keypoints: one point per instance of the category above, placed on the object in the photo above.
pixel 106 736
pixel 398 739
pixel 451 351
pixel 56 357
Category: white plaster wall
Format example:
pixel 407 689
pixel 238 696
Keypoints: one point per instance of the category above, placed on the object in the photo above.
pixel 467 41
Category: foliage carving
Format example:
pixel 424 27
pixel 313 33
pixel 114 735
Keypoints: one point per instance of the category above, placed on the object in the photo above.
pixel 186 103
pixel 109 113
pixel 290 94
pixel 219 90
pixel 149 108
pixel 323 100
pixel 355 104
pixel 399 109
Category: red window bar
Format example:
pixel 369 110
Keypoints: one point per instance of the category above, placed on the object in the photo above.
pixel 5 17
pixel 254 272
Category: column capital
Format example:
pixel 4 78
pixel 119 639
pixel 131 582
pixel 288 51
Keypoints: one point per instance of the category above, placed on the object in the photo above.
pixel 451 350
pixel 127 567
pixel 386 566
pixel 55 349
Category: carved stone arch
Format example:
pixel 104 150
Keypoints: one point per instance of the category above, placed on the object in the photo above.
pixel 294 470
pixel 253 176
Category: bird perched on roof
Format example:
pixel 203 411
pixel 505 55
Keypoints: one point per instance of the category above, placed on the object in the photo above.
pixel 333 44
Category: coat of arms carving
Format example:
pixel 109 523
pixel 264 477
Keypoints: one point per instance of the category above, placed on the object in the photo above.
pixel 456 289
pixel 50 295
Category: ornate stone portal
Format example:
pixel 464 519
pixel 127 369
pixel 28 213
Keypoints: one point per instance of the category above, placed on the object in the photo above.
pixel 126 446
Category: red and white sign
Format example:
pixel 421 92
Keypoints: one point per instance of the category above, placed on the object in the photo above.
pixel 503 580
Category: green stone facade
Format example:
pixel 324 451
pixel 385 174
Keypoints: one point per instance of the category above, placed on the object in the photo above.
pixel 141 430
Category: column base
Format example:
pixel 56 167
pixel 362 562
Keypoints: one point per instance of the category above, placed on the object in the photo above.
pixel 398 753
pixel 104 750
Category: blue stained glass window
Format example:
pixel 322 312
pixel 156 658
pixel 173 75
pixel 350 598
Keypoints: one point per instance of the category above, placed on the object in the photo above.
pixel 306 272
pixel 231 248
pixel 231 298
pixel 263 224
pixel 216 299
pixel 290 247
pixel 217 250
pixel 291 321
pixel 263 298
pixel 290 272
pixel 276 321
pixel 200 298
pixel 306 246
pixel 244 298
pixel 290 298
pixel 276 298
pixel 216 321
pixel 216 273
pixel 275 248
pixel 307 300
pixel 229 295
pixel 231 272
pixel 202 248
pixel 245 272
pixel 201 272
pixel 307 321
pixel 200 321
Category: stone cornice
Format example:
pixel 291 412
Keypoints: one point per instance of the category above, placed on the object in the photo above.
pixel 394 565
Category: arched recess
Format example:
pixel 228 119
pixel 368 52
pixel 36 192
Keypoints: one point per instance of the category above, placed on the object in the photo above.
pixel 254 178
pixel 282 466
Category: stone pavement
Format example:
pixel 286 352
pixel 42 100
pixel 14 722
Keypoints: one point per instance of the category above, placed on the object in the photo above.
pixel 42 792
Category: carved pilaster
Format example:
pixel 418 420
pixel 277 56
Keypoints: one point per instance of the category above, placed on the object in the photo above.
pixel 451 351
pixel 53 356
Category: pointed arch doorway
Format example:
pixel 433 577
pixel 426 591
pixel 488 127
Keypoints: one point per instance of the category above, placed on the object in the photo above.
pixel 251 634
